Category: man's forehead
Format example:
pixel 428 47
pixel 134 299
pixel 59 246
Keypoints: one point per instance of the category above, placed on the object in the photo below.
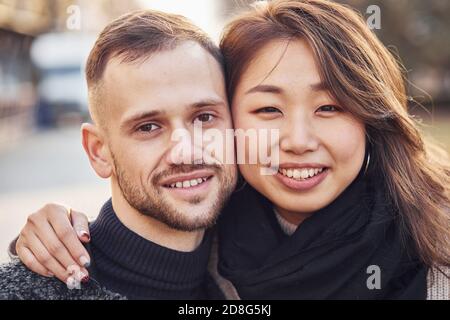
pixel 165 81
pixel 168 71
pixel 187 58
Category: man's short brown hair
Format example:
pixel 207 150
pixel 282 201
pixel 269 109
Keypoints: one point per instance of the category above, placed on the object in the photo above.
pixel 133 37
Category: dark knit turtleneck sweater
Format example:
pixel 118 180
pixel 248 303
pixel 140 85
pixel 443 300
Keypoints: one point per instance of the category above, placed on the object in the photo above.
pixel 123 266
pixel 126 263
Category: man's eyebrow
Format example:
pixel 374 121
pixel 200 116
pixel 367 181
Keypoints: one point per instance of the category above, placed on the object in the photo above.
pixel 211 102
pixel 139 116
pixel 265 88
pixel 155 113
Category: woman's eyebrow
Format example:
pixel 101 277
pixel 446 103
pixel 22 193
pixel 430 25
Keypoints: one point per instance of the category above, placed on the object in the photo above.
pixel 320 86
pixel 265 88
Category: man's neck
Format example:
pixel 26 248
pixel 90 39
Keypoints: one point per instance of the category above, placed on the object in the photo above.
pixel 152 229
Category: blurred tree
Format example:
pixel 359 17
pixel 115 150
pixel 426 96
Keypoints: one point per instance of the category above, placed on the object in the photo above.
pixel 417 31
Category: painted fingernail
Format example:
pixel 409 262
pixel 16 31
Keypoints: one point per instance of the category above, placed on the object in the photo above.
pixel 85 261
pixel 71 283
pixel 85 279
pixel 85 235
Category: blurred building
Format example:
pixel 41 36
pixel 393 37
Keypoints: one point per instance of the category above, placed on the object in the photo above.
pixel 22 78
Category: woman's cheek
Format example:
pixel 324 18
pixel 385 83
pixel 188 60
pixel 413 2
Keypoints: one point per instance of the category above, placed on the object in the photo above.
pixel 345 140
pixel 246 121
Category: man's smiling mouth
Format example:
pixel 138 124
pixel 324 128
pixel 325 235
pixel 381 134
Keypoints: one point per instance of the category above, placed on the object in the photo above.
pixel 188 180
pixel 188 183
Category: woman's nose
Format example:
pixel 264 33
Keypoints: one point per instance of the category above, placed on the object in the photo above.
pixel 298 136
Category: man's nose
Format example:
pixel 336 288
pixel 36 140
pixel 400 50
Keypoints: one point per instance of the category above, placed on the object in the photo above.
pixel 184 147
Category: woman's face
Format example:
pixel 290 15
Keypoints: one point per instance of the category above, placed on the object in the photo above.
pixel 321 146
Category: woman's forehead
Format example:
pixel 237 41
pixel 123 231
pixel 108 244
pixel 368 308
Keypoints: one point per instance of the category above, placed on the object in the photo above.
pixel 282 62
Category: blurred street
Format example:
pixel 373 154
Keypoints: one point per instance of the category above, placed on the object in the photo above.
pixel 48 166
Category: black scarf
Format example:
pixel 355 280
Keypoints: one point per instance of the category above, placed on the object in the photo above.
pixel 328 255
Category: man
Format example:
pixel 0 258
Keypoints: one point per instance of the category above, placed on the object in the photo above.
pixel 149 75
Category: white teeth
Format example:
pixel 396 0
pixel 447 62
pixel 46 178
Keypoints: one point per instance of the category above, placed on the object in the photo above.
pixel 304 174
pixel 301 174
pixel 188 183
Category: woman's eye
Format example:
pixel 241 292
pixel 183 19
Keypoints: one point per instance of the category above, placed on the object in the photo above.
pixel 204 117
pixel 328 108
pixel 148 127
pixel 268 110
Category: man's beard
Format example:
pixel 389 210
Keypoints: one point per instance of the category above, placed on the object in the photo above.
pixel 156 206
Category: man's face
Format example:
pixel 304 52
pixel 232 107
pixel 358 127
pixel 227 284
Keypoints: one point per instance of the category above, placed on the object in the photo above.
pixel 146 102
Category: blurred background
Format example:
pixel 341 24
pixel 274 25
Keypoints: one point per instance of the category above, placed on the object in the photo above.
pixel 43 48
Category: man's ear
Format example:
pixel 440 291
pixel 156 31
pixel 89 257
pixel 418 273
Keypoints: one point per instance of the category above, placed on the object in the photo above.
pixel 97 150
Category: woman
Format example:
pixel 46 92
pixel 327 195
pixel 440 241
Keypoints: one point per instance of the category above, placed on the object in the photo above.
pixel 360 206
pixel 382 196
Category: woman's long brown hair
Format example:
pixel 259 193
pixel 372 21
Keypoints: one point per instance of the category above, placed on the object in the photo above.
pixel 365 78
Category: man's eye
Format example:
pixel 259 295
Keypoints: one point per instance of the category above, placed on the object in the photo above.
pixel 148 127
pixel 204 117
pixel 268 110
pixel 328 108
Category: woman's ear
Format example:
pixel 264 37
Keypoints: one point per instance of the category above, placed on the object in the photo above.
pixel 96 149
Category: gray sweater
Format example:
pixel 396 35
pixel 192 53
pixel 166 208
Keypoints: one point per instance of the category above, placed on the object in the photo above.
pixel 19 283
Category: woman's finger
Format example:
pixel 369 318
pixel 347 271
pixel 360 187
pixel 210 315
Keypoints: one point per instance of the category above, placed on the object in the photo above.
pixel 30 261
pixel 54 246
pixel 44 257
pixel 80 223
pixel 61 225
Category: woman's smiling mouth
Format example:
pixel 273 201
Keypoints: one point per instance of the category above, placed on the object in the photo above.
pixel 301 174
pixel 302 179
